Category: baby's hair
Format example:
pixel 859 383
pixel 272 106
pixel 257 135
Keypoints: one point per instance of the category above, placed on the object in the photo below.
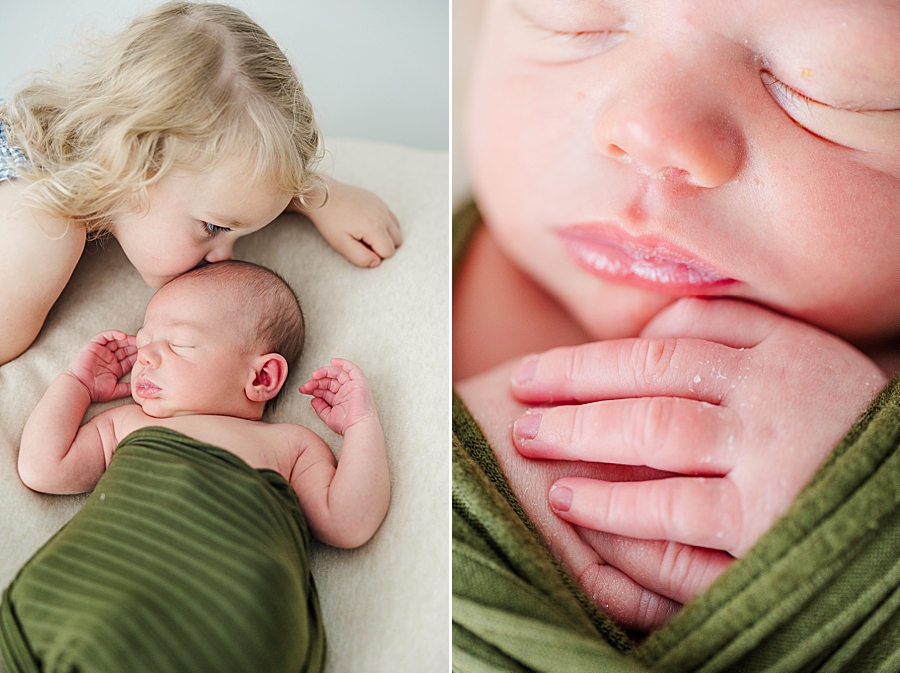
pixel 274 319
pixel 182 87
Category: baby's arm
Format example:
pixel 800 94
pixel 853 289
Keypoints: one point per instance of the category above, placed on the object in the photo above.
pixel 57 453
pixel 345 505
pixel 356 223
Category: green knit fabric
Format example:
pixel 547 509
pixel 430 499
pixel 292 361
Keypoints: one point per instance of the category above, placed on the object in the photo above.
pixel 819 592
pixel 184 558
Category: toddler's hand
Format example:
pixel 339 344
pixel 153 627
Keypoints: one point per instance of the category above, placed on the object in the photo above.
pixel 102 362
pixel 740 403
pixel 357 224
pixel 341 395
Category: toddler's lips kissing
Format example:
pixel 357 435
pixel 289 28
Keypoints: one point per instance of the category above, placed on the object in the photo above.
pixel 654 265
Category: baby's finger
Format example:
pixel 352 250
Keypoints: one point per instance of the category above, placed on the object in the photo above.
pixel 670 569
pixel 319 405
pixel 631 605
pixel 319 386
pixel 729 322
pixel 666 433
pixel 696 511
pixel 690 368
pixel 122 390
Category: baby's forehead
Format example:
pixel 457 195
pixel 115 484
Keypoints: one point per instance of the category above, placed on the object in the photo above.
pixel 192 301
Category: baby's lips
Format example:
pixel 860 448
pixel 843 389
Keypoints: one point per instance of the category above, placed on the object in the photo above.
pixel 145 388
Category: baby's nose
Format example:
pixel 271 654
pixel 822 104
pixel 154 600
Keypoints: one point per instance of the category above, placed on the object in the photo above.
pixel 665 119
pixel 148 355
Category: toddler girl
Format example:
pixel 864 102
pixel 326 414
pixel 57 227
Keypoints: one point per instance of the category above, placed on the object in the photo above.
pixel 189 131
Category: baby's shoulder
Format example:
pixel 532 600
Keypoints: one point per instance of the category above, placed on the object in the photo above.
pixel 297 438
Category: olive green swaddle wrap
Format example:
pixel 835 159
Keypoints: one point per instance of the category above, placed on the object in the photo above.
pixel 184 558
pixel 819 592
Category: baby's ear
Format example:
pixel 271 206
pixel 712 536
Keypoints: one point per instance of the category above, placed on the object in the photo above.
pixel 269 374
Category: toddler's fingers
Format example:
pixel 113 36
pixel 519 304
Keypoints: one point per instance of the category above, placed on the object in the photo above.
pixel 356 251
pixel 670 569
pixel 696 511
pixel 381 242
pixel 394 231
pixel 689 368
pixel 666 433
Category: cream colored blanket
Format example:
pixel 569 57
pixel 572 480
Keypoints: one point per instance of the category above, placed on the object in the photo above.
pixel 386 605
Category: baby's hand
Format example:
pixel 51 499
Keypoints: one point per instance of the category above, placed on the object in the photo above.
pixel 357 224
pixel 102 362
pixel 341 395
pixel 740 403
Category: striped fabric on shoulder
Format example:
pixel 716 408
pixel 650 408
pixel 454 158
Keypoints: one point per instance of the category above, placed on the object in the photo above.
pixel 12 159
pixel 184 558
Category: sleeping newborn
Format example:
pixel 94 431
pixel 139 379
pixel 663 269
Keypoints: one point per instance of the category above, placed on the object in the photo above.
pixel 192 553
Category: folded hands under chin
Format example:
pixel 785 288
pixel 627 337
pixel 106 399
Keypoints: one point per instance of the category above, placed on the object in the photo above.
pixel 727 408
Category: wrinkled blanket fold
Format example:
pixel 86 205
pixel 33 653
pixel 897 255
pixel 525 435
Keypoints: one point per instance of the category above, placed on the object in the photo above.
pixel 819 592
pixel 184 558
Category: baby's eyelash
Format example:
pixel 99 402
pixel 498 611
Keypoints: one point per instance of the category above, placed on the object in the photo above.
pixel 787 91
pixel 584 42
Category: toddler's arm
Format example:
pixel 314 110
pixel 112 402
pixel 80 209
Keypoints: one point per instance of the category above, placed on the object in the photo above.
pixel 57 453
pixel 347 511
pixel 38 255
pixel 356 223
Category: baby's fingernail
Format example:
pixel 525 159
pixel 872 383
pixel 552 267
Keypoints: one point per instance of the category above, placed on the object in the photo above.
pixel 527 426
pixel 526 370
pixel 374 263
pixel 560 498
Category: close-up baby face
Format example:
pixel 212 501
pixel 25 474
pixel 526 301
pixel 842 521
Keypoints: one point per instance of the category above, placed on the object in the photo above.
pixel 626 153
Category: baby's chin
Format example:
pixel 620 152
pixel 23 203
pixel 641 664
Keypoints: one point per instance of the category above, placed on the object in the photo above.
pixel 154 410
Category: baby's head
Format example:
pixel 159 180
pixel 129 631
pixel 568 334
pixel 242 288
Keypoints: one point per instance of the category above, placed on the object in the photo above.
pixel 217 340
pixel 626 153
pixel 187 90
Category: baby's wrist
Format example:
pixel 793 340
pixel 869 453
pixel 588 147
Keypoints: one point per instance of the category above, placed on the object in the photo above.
pixel 369 422
pixel 76 381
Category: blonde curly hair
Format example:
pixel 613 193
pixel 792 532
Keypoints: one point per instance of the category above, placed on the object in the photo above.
pixel 184 86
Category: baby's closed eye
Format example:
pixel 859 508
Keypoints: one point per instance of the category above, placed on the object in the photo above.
pixel 860 129
pixel 566 32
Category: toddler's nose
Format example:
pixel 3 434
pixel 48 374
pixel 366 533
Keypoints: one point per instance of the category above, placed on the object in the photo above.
pixel 221 253
pixel 665 118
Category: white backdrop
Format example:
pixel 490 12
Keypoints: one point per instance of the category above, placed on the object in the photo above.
pixel 374 69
